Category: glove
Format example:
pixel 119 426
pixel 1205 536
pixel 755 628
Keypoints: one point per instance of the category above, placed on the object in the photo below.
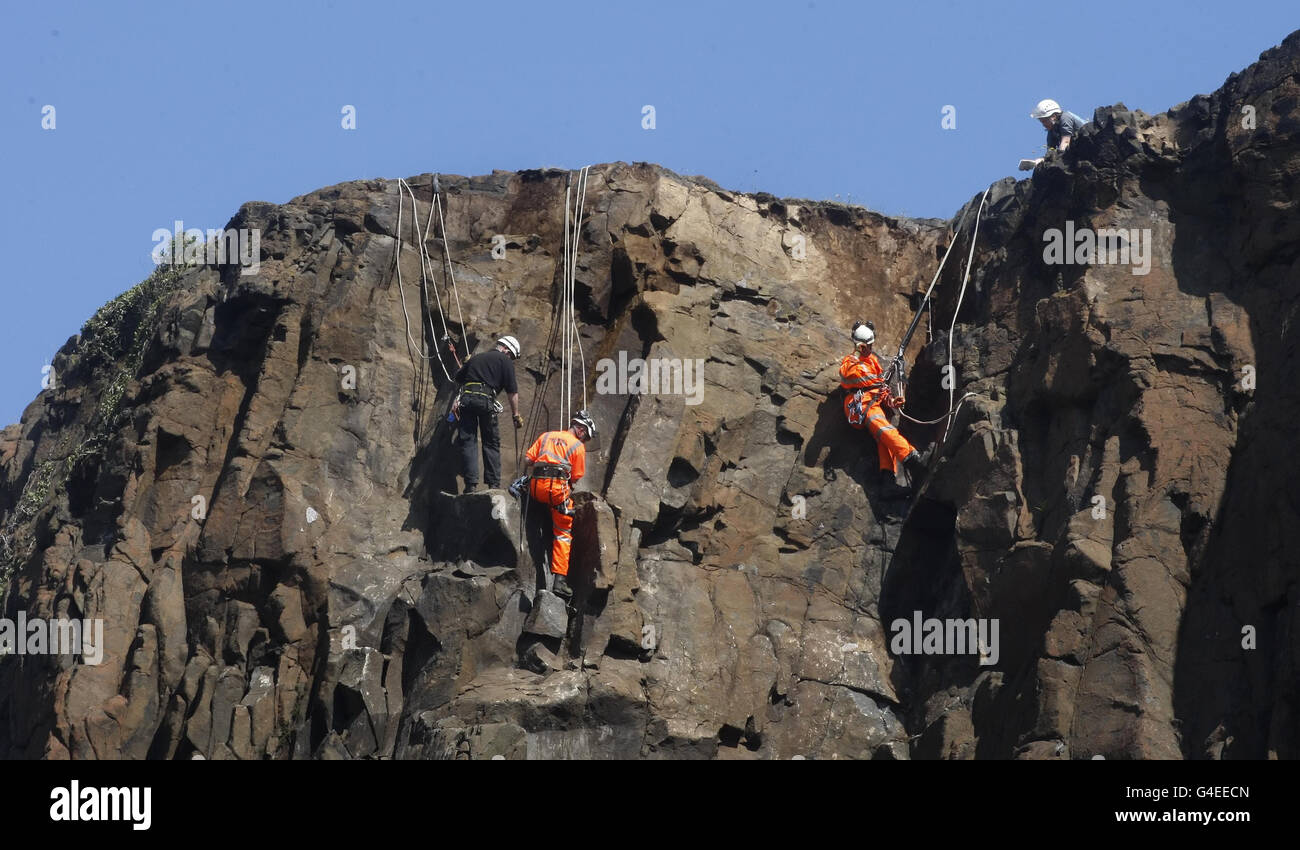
pixel 895 403
pixel 519 421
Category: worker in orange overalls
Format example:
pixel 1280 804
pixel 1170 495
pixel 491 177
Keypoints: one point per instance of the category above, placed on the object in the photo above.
pixel 559 460
pixel 866 395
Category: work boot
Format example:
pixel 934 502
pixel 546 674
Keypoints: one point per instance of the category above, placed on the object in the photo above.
pixel 889 486
pixel 470 487
pixel 561 588
pixel 917 465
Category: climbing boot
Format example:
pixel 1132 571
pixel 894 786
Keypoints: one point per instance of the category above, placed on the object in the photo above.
pixel 889 486
pixel 917 465
pixel 561 588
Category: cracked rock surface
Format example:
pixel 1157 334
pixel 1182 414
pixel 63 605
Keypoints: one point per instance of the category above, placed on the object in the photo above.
pixel 248 478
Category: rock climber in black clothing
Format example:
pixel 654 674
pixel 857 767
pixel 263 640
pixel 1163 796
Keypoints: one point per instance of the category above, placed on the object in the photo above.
pixel 480 379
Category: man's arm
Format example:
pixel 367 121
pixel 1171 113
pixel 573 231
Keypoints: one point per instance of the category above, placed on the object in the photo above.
pixel 578 465
pixel 460 382
pixel 514 410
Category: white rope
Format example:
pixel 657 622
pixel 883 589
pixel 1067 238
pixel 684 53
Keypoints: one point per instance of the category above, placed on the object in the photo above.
pixel 451 273
pixel 941 418
pixel 894 370
pixel 577 240
pixel 426 263
pixel 951 243
pixel 570 336
pixel 952 388
pixel 564 325
pixel 413 348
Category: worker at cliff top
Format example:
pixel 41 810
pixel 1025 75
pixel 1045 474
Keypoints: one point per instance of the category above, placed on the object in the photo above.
pixel 1061 126
pixel 866 395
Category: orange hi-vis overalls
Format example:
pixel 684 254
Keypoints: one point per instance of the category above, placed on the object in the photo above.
pixel 865 391
pixel 559 459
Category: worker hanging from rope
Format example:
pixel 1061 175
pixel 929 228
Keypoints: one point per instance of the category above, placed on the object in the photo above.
pixel 559 460
pixel 480 380
pixel 866 396
pixel 869 390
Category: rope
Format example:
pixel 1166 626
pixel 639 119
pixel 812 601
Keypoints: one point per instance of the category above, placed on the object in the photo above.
pixel 564 296
pixel 539 409
pixel 957 310
pixel 951 243
pixel 895 366
pixel 952 408
pixel 941 418
pixel 426 262
pixel 451 272
pixel 575 199
pixel 412 347
pixel 573 278
pixel 563 324
pixel 564 331
pixel 893 374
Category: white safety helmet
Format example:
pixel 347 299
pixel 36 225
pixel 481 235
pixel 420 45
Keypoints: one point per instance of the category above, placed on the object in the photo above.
pixel 1045 108
pixel 863 332
pixel 511 344
pixel 584 419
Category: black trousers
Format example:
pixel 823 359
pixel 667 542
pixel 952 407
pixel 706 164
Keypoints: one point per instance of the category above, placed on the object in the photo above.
pixel 478 414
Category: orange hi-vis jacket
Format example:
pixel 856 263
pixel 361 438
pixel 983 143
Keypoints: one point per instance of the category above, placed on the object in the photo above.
pixel 865 390
pixel 558 459
pixel 865 374
pixel 560 449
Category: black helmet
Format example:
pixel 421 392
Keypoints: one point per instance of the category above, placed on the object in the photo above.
pixel 584 419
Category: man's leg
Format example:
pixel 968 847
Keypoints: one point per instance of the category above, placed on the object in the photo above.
pixel 562 522
pixel 491 448
pixel 893 447
pixel 538 529
pixel 469 442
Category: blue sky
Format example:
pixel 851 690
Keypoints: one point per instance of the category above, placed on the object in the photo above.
pixel 185 111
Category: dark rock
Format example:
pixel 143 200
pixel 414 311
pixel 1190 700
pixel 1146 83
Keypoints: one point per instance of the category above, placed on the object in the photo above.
pixel 1114 494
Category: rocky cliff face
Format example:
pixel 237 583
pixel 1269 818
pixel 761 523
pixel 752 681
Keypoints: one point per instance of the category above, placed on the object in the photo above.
pixel 247 477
